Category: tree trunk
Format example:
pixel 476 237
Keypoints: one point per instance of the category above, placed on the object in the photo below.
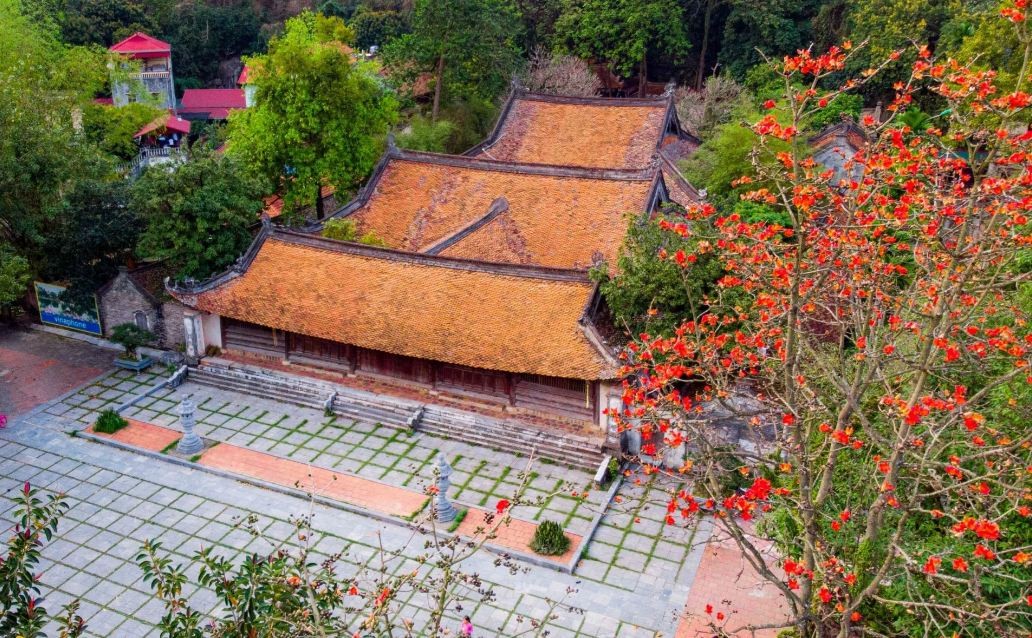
pixel 642 75
pixel 701 72
pixel 438 80
pixel 319 208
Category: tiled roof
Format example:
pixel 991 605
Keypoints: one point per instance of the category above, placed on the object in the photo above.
pixel 589 132
pixel 165 122
pixel 558 217
pixel 139 44
pixel 498 317
pixel 216 103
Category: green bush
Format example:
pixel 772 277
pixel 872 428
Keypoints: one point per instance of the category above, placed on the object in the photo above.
pixel 550 540
pixel 130 336
pixel 109 422
pixel 340 229
pixel 423 135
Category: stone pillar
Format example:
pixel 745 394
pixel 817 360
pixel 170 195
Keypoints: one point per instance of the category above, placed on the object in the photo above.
pixel 190 443
pixel 193 335
pixel 445 510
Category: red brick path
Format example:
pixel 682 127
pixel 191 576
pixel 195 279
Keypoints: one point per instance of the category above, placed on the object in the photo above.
pixel 38 367
pixel 516 535
pixel 728 583
pixel 371 495
pixel 142 435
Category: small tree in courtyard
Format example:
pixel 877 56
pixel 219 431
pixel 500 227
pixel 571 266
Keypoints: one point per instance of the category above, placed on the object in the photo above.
pixel 880 340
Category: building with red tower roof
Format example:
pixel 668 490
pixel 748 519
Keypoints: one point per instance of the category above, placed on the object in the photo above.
pixel 154 77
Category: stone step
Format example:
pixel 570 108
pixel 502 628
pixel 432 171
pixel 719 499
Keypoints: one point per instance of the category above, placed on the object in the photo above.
pixel 513 427
pixel 265 390
pixel 468 427
pixel 577 459
pixel 558 447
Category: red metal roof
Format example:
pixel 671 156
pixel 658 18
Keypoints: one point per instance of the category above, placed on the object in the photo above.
pixel 242 80
pixel 141 45
pixel 215 102
pixel 166 122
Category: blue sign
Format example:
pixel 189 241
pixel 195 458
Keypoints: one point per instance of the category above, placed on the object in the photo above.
pixel 55 312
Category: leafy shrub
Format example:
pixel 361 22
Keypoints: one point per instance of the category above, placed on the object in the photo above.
pixel 109 422
pixel 423 135
pixel 347 230
pixel 340 229
pixel 130 336
pixel 550 540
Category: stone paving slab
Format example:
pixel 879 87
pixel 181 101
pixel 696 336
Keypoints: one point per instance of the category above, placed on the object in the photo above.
pixel 92 555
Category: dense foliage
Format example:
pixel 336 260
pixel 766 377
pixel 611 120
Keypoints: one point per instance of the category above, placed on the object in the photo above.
pixel 198 215
pixel 878 366
pixel 469 48
pixel 320 118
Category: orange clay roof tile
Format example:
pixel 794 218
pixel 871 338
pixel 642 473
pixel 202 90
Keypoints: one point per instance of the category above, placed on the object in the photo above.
pixel 496 317
pixel 588 133
pixel 563 218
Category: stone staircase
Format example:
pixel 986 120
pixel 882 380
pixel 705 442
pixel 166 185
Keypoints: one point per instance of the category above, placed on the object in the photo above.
pixel 512 436
pixel 311 394
pixel 395 412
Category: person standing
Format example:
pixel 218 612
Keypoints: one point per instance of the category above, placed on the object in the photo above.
pixel 466 630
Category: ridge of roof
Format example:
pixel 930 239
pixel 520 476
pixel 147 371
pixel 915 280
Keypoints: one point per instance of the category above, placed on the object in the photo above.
pixel 460 161
pixel 268 231
pixel 526 168
pixel 497 207
pixel 137 43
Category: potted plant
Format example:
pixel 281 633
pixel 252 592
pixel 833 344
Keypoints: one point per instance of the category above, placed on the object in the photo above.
pixel 130 336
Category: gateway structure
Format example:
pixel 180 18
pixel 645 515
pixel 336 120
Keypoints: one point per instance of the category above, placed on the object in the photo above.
pixel 481 297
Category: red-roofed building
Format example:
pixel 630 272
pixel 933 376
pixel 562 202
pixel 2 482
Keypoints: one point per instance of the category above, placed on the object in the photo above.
pixel 243 81
pixel 154 58
pixel 210 104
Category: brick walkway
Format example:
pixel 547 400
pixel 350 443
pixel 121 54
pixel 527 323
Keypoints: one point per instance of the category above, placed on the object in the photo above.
pixel 516 535
pixel 37 367
pixel 142 435
pixel 371 495
pixel 728 583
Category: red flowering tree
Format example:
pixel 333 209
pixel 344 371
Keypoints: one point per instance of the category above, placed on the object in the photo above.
pixel 878 350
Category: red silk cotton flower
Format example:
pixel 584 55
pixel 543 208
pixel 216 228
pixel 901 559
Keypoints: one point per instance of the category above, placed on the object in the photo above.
pixel 502 506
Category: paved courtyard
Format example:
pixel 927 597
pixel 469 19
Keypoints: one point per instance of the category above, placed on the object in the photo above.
pixel 633 581
pixel 36 367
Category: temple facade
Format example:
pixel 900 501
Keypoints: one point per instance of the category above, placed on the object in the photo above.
pixel 481 294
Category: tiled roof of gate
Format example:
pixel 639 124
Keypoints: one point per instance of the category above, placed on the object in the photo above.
pixel 588 132
pixel 558 217
pixel 499 317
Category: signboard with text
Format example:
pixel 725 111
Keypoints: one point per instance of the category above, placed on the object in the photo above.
pixel 55 312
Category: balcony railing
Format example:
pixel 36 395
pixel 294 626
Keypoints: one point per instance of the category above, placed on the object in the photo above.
pixel 151 155
pixel 154 75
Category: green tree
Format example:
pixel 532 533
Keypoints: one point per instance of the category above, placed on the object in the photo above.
pixel 624 33
pixel 469 47
pixel 319 118
pixel 724 156
pixel 204 35
pixel 21 608
pixel 842 104
pixel 775 27
pixel 888 25
pixel 198 214
pixel 112 129
pixel 44 84
pixel 105 22
pixel 650 290
pixel 377 28
pixel 14 277
pixel 95 233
